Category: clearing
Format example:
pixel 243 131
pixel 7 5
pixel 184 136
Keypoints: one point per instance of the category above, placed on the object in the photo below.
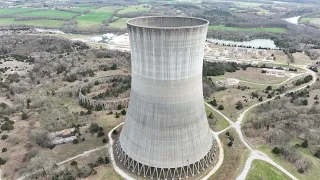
pixel 132 9
pixel 49 14
pixel 37 23
pixel 264 171
pixel 223 27
pixel 120 23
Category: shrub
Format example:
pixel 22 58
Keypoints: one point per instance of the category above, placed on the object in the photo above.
pixel 269 88
pixel 276 150
pixel 4 149
pixel 117 115
pixel 239 105
pixel 317 154
pixel 94 128
pixel 24 116
pixel 4 137
pixel 110 112
pixel 230 143
pixel 114 67
pixel 221 107
pixel 304 102
pixel 228 133
pixel 7 126
pixel 104 140
pixel 305 144
pixel 100 134
pixel 114 132
pixel 211 116
pixel 89 111
pixel 260 98
pixel 301 170
pixel 106 160
pixel 119 107
pixel 213 102
pixel 100 128
pixel 269 96
pixel 75 141
pixel 231 138
pixel 2 161
pixel 74 163
pixel 123 112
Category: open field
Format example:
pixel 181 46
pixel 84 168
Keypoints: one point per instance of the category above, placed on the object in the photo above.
pixel 93 19
pixel 37 23
pixel 49 14
pixel 132 9
pixel 312 173
pixel 255 75
pixel 234 158
pixel 15 10
pixel 264 171
pixel 218 122
pixel 105 172
pixel 311 21
pixel 81 8
pixel 223 27
pixel 120 23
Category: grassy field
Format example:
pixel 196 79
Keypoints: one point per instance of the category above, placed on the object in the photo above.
pixel 93 19
pixel 15 10
pixel 254 75
pixel 218 123
pixel 105 172
pixel 312 21
pixel 131 9
pixel 49 14
pixel 312 173
pixel 82 8
pixel 264 171
pixel 234 158
pixel 223 27
pixel 37 23
pixel 120 23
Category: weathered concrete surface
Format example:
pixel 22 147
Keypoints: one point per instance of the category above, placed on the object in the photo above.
pixel 166 124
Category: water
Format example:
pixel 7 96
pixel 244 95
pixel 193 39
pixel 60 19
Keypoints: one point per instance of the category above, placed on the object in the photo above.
pixel 263 43
pixel 293 20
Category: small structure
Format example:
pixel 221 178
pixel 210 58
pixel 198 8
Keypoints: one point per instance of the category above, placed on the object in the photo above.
pixel 61 137
pixel 277 72
pixel 227 82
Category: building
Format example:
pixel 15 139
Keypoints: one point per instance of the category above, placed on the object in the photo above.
pixel 166 134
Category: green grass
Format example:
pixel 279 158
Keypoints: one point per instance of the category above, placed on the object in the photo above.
pixel 121 23
pixel 81 8
pixel 49 14
pixel 312 173
pixel 93 19
pixel 218 123
pixel 107 9
pixel 223 27
pixel 15 10
pixel 131 9
pixel 264 171
pixel 37 23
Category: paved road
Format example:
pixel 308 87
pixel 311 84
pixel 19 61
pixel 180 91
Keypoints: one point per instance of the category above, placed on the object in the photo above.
pixel 255 154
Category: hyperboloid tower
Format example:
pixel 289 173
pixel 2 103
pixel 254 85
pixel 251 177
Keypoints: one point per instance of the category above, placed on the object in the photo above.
pixel 166 133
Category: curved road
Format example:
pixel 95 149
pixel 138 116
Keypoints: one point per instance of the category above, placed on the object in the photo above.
pixel 255 154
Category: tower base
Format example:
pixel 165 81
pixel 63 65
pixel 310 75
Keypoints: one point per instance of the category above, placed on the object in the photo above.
pixel 164 173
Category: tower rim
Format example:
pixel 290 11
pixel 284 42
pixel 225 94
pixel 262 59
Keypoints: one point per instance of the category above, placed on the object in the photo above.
pixel 198 22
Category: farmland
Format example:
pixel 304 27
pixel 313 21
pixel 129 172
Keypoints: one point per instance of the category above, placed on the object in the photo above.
pixel 4 11
pixel 49 14
pixel 37 23
pixel 93 19
pixel 131 9
pixel 119 23
pixel 223 27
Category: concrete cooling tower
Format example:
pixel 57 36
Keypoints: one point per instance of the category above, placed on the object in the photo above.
pixel 166 134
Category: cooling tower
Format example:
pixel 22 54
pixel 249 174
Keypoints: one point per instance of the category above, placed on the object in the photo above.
pixel 166 133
